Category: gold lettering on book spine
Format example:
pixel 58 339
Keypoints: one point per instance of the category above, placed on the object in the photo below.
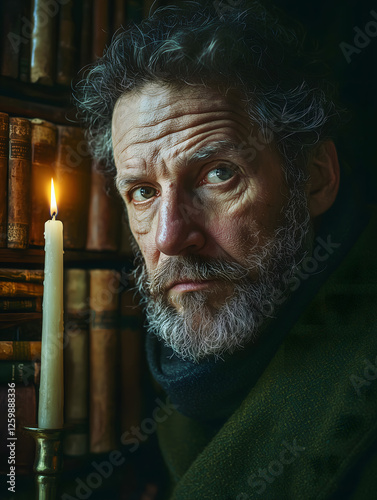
pixel 18 235
pixel 19 165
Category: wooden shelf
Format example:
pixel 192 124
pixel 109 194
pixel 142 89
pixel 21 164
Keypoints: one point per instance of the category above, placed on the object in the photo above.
pixel 36 101
pixel 81 258
pixel 18 317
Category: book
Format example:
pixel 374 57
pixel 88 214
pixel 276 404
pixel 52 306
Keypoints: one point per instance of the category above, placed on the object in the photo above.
pixel 10 36
pixel 66 53
pixel 86 35
pixel 119 14
pixel 16 289
pixel 20 350
pixel 43 42
pixel 105 211
pixel 76 362
pixel 25 415
pixel 21 305
pixel 33 275
pixel 25 48
pixel 4 142
pixel 20 372
pixel 131 349
pixel 19 166
pixel 100 29
pixel 103 360
pixel 72 174
pixel 43 154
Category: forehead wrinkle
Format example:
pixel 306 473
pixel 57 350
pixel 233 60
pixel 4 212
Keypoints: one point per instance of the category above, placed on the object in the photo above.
pixel 205 127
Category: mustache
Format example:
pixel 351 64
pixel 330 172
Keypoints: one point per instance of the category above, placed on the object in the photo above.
pixel 194 268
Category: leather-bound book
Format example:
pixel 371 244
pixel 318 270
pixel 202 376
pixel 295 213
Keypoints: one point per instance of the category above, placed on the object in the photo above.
pixel 104 360
pixel 33 275
pixel 66 45
pixel 43 153
pixel 101 28
pixel 43 42
pixel 105 212
pixel 73 185
pixel 10 26
pixel 4 133
pixel 119 14
pixel 76 362
pixel 16 289
pixel 19 166
pixel 22 350
pixel 20 372
pixel 33 304
pixel 25 415
pixel 86 30
pixel 25 46
pixel 131 360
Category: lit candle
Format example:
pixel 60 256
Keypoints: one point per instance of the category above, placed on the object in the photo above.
pixel 50 414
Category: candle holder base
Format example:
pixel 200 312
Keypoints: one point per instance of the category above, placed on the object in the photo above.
pixel 48 461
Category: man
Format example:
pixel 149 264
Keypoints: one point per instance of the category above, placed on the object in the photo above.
pixel 255 262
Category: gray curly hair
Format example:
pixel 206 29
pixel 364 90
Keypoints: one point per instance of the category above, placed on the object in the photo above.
pixel 242 47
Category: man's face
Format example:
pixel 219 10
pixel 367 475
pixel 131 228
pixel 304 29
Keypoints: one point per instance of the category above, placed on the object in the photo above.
pixel 205 216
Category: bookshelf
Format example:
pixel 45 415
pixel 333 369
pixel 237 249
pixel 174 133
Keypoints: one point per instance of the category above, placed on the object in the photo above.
pixel 19 97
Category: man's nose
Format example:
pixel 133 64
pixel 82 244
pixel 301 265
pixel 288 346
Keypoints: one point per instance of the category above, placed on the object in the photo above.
pixel 180 228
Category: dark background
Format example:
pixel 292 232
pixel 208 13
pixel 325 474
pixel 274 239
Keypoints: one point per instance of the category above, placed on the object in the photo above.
pixel 329 23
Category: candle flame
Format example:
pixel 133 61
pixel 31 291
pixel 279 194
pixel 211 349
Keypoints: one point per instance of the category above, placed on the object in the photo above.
pixel 53 205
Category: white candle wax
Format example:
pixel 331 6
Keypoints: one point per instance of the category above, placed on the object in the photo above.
pixel 50 414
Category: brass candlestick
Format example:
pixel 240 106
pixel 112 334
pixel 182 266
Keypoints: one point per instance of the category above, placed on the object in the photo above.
pixel 48 461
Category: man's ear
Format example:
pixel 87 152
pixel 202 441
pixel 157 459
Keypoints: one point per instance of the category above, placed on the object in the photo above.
pixel 323 185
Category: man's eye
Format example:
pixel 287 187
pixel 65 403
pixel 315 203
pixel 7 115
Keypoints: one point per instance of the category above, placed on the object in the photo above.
pixel 220 174
pixel 143 193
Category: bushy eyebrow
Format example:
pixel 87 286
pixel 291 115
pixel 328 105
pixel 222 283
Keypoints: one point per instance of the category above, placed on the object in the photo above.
pixel 213 149
pixel 207 152
pixel 122 182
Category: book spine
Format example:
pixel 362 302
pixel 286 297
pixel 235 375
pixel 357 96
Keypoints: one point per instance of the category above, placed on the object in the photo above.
pixel 4 142
pixel 76 362
pixel 73 179
pixel 43 42
pixel 103 359
pixel 19 372
pixel 10 37
pixel 32 275
pixel 43 153
pixel 86 33
pixel 19 165
pixel 20 350
pixel 104 213
pixel 15 289
pixel 21 305
pixel 24 59
pixel 66 45
pixel 131 360
pixel 100 27
pixel 119 17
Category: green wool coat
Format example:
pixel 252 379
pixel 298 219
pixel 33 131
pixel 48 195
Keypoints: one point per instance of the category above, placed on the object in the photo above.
pixel 308 427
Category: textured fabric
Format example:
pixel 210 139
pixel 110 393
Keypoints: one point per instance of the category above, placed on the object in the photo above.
pixel 310 419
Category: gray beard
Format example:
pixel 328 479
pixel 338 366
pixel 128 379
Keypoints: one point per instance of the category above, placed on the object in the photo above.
pixel 259 288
